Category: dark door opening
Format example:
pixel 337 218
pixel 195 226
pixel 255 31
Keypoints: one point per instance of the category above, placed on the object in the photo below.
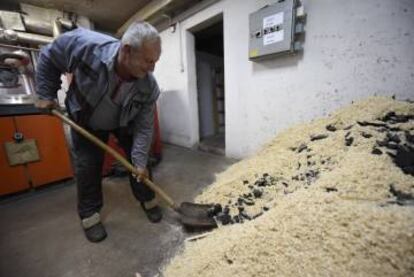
pixel 210 86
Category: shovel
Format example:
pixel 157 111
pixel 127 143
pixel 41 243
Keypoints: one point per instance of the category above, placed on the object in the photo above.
pixel 191 214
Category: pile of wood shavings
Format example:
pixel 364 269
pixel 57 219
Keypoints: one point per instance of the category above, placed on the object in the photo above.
pixel 352 215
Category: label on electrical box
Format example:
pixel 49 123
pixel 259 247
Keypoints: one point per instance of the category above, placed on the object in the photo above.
pixel 273 37
pixel 272 20
pixel 271 23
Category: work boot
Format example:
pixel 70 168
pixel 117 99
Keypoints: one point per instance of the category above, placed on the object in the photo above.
pixel 94 229
pixel 152 210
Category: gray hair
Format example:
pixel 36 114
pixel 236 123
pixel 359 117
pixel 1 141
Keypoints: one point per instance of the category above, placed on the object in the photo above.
pixel 138 32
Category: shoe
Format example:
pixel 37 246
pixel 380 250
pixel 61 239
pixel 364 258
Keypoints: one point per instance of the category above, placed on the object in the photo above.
pixel 93 228
pixel 152 210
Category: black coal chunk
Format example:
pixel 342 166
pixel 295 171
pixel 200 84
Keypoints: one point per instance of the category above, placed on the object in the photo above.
pixel 372 123
pixel 388 116
pixel 376 151
pixel 265 208
pixel 399 194
pixel 318 137
pixel 393 137
pixel 311 173
pixel 302 147
pixel 331 189
pixel 404 159
pixel 393 118
pixel 245 182
pixel 257 215
pixel 392 145
pixel 331 128
pixel 257 193
pixel 215 210
pixel 348 127
pixel 349 141
pixel 409 137
pixel 261 182
pixel 245 215
pixel 366 135
pixel 248 202
pixel 383 142
pixel 224 218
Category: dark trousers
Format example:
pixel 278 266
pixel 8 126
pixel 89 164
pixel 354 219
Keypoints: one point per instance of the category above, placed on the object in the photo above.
pixel 88 160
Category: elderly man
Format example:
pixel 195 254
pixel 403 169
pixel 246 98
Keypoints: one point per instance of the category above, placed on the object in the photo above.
pixel 112 91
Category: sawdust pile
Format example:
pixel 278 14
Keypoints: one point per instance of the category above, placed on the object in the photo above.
pixel 332 197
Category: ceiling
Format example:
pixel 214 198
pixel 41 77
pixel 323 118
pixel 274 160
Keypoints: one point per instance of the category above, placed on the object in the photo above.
pixel 107 15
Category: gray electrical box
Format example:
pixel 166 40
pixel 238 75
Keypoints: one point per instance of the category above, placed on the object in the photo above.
pixel 272 30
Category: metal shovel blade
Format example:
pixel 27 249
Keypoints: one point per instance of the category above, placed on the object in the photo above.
pixel 196 215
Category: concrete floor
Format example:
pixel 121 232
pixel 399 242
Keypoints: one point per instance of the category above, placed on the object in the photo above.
pixel 40 233
pixel 213 144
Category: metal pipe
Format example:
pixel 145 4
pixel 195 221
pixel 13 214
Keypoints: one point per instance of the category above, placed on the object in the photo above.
pixel 184 15
pixel 144 13
pixel 37 26
pixel 33 38
pixel 22 37
pixel 19 47
pixel 57 28
pixel 68 24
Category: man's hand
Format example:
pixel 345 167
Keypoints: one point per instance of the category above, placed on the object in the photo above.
pixel 45 104
pixel 143 172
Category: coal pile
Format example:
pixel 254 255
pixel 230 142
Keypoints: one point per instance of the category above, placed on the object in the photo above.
pixel 331 197
pixel 396 142
pixel 254 191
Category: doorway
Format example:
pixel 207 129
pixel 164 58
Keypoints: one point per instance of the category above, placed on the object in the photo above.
pixel 209 53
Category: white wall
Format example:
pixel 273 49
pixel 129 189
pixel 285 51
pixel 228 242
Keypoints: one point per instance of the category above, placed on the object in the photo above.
pixel 352 49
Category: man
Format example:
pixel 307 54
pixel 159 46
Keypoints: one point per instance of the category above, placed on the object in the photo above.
pixel 112 91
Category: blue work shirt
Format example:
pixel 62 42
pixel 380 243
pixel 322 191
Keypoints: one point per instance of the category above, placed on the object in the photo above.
pixel 90 57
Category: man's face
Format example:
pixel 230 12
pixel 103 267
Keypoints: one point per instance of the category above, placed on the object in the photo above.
pixel 142 60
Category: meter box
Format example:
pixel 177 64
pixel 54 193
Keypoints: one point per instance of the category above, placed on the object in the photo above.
pixel 273 29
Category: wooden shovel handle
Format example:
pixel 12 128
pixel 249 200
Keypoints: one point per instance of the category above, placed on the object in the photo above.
pixel 117 156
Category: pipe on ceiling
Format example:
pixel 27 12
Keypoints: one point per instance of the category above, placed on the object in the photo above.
pixel 22 37
pixel 156 6
pixel 184 15
pixel 37 26
pixel 43 27
pixel 143 14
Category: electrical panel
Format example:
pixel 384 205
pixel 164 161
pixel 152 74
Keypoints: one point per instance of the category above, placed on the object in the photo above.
pixel 275 29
